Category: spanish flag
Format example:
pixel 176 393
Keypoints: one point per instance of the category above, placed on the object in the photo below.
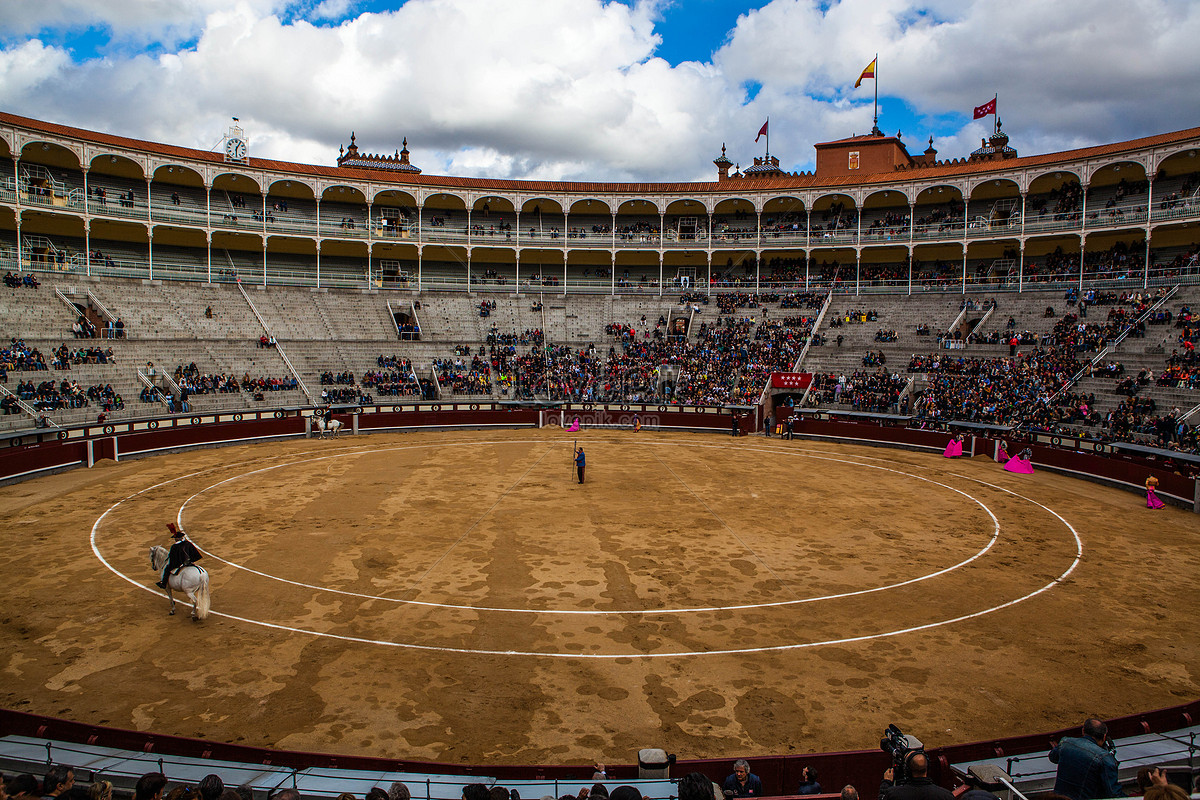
pixel 869 72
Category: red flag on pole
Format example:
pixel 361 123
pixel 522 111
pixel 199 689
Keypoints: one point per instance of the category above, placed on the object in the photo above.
pixel 987 108
pixel 762 131
pixel 869 72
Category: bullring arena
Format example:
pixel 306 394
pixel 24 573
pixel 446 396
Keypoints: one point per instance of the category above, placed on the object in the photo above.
pixel 434 587
pixel 457 596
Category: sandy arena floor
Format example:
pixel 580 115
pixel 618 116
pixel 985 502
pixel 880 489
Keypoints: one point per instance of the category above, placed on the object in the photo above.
pixel 458 597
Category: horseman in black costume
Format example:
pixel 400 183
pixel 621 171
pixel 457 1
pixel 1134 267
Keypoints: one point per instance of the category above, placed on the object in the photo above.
pixel 182 554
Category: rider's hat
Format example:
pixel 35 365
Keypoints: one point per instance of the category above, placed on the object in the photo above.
pixel 175 532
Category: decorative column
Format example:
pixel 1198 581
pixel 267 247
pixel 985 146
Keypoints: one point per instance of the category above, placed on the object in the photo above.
pixel 857 266
pixel 1149 213
pixel 910 267
pixel 1021 265
pixel 1082 233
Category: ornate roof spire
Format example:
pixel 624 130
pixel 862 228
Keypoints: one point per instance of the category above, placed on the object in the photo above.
pixel 350 157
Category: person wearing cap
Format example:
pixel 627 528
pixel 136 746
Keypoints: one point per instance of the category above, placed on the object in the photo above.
pixel 580 462
pixel 182 553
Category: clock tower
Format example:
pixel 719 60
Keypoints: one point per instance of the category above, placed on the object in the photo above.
pixel 236 149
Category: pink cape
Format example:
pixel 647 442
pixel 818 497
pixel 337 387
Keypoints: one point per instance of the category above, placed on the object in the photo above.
pixel 1152 500
pixel 1019 465
pixel 1002 456
pixel 574 426
pixel 953 449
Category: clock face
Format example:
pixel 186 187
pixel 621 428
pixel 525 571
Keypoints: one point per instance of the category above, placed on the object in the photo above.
pixel 235 149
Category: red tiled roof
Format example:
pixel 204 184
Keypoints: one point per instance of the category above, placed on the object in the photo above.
pixel 860 138
pixel 731 187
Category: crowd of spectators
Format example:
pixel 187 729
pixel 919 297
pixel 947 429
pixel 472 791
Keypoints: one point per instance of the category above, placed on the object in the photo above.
pixel 20 357
pixel 190 378
pixel 455 375
pixel 878 391
pixel 727 361
pixel 64 357
pixel 14 280
pixel 192 381
pixel 393 377
pixel 65 394
pixel 1029 389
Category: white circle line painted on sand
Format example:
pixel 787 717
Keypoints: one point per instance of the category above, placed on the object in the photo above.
pixel 602 612
pixel 612 656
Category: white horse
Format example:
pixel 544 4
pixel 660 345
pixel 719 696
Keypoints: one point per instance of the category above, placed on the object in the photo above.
pixel 332 429
pixel 191 580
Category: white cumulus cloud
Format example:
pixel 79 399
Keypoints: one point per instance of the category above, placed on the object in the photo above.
pixel 573 89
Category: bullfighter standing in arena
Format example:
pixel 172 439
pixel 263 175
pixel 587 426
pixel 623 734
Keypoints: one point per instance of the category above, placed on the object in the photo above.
pixel 183 552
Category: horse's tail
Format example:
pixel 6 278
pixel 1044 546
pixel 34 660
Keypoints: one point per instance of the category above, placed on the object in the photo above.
pixel 203 599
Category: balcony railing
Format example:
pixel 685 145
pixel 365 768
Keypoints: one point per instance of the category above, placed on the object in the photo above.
pixel 186 215
pixel 116 207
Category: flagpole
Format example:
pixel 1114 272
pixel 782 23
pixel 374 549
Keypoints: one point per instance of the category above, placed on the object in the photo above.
pixel 875 123
pixel 996 116
pixel 768 126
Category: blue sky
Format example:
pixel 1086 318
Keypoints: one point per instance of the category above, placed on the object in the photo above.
pixel 600 89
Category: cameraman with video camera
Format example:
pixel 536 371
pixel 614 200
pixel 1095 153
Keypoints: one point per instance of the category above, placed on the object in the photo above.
pixel 908 777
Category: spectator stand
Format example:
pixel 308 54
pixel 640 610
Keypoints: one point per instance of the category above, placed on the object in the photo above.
pixel 123 768
pixel 969 321
pixel 79 311
pixel 114 328
pixel 147 380
pixel 17 402
pixel 1032 773
pixel 815 333
pixel 1106 351
pixel 276 346
pixel 408 322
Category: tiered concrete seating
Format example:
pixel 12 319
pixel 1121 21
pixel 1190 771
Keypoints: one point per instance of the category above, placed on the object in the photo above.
pixel 449 317
pixel 192 204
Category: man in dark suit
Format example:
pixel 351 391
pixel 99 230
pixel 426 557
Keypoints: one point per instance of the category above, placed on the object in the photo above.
pixel 182 553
